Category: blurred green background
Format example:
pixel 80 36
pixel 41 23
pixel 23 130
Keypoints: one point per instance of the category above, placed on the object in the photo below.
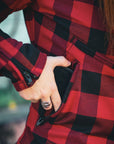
pixel 13 108
pixel 9 97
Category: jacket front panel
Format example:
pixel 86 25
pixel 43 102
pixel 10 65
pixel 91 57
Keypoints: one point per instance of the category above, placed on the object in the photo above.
pixel 75 30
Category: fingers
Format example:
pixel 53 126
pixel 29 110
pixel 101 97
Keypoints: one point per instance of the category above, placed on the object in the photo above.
pixel 56 100
pixel 47 100
pixel 46 103
pixel 62 61
pixel 26 93
pixel 45 87
pixel 57 61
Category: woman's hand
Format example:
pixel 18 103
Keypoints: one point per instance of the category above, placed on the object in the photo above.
pixel 45 87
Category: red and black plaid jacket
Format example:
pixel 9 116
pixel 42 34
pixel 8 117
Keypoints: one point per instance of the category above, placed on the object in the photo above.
pixel 74 29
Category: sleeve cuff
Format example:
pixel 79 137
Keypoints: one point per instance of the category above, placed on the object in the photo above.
pixel 28 78
pixel 40 63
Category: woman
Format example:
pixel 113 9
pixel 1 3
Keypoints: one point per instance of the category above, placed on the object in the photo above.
pixel 77 31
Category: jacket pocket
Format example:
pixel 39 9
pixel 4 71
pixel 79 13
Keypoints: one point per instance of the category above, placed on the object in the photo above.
pixel 103 59
pixel 46 115
pixel 65 96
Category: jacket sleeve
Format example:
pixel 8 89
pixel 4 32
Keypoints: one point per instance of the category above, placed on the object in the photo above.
pixel 22 63
pixel 9 6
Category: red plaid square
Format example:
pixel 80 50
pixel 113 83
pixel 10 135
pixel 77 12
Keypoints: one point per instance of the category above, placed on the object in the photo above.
pixel 46 6
pixel 45 38
pixel 88 104
pixel 105 108
pixel 82 13
pixel 58 131
pixel 96 140
pixel 72 102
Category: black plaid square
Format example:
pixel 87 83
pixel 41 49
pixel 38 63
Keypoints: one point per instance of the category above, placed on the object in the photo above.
pixel 38 140
pixel 30 55
pixel 97 41
pixel 38 17
pixel 87 84
pixel 60 29
pixel 83 124
pixel 4 10
pixel 4 35
pixel 7 73
pixel 111 136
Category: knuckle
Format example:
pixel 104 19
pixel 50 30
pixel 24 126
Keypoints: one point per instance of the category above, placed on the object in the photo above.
pixel 35 98
pixel 53 87
pixel 43 93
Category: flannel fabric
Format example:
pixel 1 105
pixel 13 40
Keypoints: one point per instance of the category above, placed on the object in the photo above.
pixel 74 29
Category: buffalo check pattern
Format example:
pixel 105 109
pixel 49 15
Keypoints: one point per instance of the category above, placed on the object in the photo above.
pixel 74 29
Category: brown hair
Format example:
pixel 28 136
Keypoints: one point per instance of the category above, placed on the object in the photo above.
pixel 107 7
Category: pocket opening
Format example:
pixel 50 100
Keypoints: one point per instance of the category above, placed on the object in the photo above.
pixel 64 96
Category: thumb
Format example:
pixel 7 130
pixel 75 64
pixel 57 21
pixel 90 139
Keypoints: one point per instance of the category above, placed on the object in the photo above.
pixel 62 61
pixel 25 93
pixel 56 99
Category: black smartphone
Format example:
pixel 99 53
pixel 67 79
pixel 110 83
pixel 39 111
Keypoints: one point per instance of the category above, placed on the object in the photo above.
pixel 62 78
